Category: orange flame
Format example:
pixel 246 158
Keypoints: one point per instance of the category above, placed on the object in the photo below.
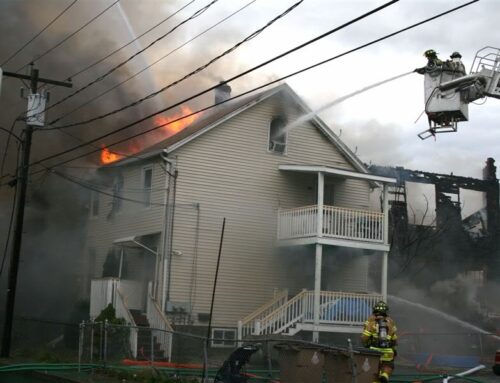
pixel 170 128
pixel 107 156
pixel 166 129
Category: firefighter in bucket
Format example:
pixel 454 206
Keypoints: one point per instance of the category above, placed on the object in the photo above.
pixel 379 334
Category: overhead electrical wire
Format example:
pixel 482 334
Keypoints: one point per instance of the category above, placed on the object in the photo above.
pixel 93 99
pixel 190 74
pixel 69 36
pixel 247 92
pixel 213 60
pixel 38 34
pixel 70 77
pixel 199 12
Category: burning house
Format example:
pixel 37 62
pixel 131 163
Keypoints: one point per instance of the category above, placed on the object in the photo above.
pixel 300 236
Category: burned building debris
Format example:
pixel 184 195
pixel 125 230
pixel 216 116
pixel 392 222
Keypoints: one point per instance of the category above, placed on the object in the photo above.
pixel 451 246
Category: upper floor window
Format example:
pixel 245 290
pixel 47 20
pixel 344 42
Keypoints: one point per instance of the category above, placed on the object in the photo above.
pixel 277 135
pixel 94 204
pixel 116 202
pixel 147 182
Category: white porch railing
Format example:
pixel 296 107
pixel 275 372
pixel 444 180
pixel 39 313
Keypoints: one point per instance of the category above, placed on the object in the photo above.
pixel 338 222
pixel 247 325
pixel 336 308
pixel 122 311
pixel 102 293
pixel 158 320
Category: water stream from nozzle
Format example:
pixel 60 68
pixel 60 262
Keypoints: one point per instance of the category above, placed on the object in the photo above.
pixel 443 315
pixel 309 116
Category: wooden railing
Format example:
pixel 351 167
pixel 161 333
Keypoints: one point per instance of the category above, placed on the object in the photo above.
pixel 102 293
pixel 158 320
pixel 122 311
pixel 338 222
pixel 336 308
pixel 247 325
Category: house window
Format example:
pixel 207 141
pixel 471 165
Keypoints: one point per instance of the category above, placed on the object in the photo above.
pixel 277 136
pixel 116 202
pixel 94 204
pixel 147 181
pixel 223 337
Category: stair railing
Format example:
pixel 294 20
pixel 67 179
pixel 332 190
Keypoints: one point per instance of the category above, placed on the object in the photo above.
pixel 158 320
pixel 122 311
pixel 284 316
pixel 247 326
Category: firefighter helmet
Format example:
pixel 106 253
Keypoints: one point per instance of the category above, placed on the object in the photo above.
pixel 455 54
pixel 381 308
pixel 430 53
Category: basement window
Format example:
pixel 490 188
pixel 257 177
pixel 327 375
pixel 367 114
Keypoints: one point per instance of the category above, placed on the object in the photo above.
pixel 277 136
pixel 147 181
pixel 223 337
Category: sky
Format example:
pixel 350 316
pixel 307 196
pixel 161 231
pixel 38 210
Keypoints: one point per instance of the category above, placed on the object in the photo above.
pixel 380 125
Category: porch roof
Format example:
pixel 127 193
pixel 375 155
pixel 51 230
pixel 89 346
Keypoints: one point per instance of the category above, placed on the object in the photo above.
pixel 336 172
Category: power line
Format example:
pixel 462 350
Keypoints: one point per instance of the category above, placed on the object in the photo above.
pixel 226 81
pixel 190 74
pixel 70 36
pixel 102 77
pixel 38 34
pixel 100 191
pixel 130 42
pixel 245 93
pixel 157 61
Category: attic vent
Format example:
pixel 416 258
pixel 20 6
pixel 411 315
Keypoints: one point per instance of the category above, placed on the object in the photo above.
pixel 277 136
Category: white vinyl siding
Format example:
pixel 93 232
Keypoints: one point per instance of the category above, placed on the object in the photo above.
pixel 229 172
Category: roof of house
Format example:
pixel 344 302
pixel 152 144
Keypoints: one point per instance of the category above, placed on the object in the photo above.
pixel 221 113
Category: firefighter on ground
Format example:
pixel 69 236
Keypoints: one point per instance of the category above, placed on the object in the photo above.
pixel 379 334
pixel 433 63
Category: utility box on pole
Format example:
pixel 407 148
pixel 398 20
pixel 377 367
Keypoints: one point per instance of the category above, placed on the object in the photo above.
pixel 35 115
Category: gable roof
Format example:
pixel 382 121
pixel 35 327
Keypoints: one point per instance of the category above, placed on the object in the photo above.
pixel 221 113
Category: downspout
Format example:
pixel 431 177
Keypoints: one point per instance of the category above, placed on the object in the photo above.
pixel 169 268
pixel 160 272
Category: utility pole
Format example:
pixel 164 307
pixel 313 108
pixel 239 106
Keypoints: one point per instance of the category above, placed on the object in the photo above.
pixel 36 106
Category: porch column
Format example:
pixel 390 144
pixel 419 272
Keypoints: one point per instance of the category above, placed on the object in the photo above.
pixel 385 257
pixel 317 290
pixel 321 192
pixel 385 254
pixel 386 214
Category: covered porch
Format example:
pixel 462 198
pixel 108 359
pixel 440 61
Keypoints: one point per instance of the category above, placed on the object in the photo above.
pixel 325 224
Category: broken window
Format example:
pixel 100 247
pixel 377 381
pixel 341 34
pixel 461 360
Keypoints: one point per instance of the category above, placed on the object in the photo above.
pixel 116 203
pixel 277 135
pixel 94 204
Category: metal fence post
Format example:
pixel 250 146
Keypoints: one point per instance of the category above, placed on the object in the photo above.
pixel 91 341
pixel 152 346
pixel 105 342
pixel 205 362
pixel 80 344
pixel 101 339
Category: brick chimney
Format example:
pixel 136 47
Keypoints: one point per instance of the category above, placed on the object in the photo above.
pixel 222 93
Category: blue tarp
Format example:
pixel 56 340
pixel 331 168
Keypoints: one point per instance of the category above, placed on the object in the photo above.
pixel 346 309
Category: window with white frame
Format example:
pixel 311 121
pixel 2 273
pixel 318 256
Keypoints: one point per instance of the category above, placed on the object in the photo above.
pixel 147 182
pixel 223 337
pixel 277 135
pixel 94 204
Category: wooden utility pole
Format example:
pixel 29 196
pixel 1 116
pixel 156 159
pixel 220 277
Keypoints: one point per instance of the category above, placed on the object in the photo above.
pixel 22 184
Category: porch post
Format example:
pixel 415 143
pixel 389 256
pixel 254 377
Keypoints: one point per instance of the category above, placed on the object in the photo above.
pixel 385 256
pixel 321 192
pixel 317 290
pixel 386 214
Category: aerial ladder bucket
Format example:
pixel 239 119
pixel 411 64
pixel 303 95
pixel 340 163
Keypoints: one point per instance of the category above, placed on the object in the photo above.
pixel 448 91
